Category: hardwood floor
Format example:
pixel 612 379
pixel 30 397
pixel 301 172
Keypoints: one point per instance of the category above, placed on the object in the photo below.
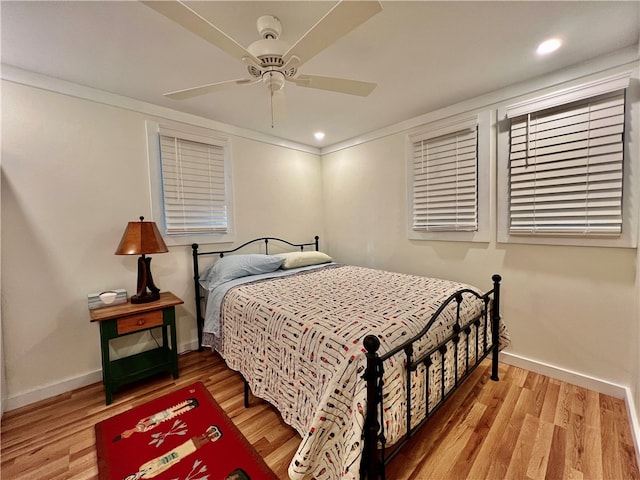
pixel 526 426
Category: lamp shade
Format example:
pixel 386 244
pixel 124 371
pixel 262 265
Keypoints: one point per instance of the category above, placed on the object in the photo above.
pixel 141 238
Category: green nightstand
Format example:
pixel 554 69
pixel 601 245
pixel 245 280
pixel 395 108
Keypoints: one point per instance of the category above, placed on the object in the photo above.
pixel 126 319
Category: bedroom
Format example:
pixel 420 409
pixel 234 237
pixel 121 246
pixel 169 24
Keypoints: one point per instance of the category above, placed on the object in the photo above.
pixel 67 197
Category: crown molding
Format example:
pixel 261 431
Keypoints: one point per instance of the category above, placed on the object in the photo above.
pixel 17 75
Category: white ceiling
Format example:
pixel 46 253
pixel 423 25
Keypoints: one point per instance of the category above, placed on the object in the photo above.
pixel 423 55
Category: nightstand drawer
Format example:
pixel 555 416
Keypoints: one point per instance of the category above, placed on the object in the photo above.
pixel 139 322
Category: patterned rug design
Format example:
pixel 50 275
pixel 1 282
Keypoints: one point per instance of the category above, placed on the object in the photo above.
pixel 184 435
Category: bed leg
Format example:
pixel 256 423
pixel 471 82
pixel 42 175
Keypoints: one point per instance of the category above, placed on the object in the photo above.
pixel 370 467
pixel 246 393
pixel 495 327
pixel 198 298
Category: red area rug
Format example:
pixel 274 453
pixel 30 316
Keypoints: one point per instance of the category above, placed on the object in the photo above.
pixel 184 435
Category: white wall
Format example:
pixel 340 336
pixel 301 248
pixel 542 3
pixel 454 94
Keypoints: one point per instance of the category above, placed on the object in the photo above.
pixel 74 172
pixel 571 311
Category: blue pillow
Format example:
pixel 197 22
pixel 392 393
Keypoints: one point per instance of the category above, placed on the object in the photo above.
pixel 236 266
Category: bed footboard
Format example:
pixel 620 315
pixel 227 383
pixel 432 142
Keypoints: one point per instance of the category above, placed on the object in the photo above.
pixel 375 456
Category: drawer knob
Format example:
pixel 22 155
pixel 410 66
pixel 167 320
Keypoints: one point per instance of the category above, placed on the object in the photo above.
pixel 141 322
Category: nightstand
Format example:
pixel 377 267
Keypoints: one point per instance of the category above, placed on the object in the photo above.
pixel 127 319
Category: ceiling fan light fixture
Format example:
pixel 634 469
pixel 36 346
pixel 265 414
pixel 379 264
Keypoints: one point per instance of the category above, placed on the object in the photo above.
pixel 274 80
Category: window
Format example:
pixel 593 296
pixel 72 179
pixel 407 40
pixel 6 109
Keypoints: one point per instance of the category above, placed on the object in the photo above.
pixel 565 164
pixel 448 180
pixel 445 169
pixel 190 184
pixel 565 169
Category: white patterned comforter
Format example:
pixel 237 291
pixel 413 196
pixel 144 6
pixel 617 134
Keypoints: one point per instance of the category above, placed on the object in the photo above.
pixel 297 340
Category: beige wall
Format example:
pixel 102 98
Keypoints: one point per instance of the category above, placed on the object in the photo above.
pixel 571 311
pixel 74 172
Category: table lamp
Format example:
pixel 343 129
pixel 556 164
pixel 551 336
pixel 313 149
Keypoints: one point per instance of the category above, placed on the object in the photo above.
pixel 142 238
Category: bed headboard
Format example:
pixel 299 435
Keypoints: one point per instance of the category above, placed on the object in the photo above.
pixel 221 253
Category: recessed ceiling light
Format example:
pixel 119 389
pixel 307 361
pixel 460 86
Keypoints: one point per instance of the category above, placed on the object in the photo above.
pixel 549 46
pixel 319 135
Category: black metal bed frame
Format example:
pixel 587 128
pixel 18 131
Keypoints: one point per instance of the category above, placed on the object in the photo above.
pixel 375 456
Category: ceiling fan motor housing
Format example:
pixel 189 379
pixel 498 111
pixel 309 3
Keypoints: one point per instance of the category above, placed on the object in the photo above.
pixel 269 50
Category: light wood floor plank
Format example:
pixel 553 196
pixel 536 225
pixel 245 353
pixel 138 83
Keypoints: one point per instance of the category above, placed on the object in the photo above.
pixel 525 426
pixel 557 455
pixel 550 403
pixel 563 407
pixel 593 452
pixel 504 450
pixel 610 447
pixel 458 437
pixel 519 463
pixel 539 458
pixel 485 466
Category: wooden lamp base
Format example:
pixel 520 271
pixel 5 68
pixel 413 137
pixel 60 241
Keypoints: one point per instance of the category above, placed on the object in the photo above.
pixel 147 291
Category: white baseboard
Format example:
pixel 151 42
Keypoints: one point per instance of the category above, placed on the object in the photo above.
pixel 26 398
pixel 48 391
pixel 585 381
pixel 569 376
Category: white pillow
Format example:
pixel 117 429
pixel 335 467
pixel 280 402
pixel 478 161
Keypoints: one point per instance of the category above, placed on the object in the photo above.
pixel 303 259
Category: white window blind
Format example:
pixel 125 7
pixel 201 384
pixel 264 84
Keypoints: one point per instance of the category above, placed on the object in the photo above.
pixel 193 184
pixel 445 182
pixel 566 169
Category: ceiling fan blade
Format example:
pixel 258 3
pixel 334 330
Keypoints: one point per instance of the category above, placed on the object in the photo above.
pixel 340 85
pixel 340 20
pixel 204 89
pixel 195 23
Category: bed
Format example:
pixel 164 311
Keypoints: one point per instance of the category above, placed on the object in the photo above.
pixel 355 359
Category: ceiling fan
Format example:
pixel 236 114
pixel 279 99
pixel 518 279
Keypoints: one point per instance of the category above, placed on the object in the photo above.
pixel 270 59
